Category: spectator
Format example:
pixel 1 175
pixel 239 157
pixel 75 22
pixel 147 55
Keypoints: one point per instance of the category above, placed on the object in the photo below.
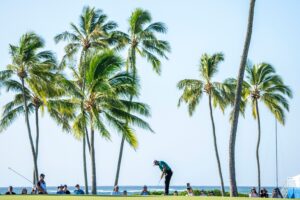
pixel 125 193
pixel 211 193
pixel 78 190
pixel 175 193
pixel 145 191
pixel 116 191
pixel 276 193
pixel 60 190
pixel 41 185
pixel 253 193
pixel 190 192
pixel 202 193
pixel 24 191
pixel 10 191
pixel 264 193
pixel 66 190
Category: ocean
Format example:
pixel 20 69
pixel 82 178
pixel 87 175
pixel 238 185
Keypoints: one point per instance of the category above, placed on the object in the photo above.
pixel 131 190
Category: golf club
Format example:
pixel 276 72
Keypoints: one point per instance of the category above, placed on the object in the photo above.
pixel 20 175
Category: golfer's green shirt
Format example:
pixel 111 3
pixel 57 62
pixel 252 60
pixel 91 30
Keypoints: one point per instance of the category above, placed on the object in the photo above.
pixel 163 165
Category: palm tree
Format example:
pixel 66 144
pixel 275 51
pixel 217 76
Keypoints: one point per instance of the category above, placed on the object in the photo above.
pixel 142 40
pixel 93 32
pixel 237 102
pixel 28 64
pixel 217 96
pixel 107 89
pixel 264 85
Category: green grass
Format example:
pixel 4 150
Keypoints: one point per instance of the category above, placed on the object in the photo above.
pixel 53 197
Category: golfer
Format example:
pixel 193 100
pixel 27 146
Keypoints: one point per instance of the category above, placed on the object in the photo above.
pixel 166 172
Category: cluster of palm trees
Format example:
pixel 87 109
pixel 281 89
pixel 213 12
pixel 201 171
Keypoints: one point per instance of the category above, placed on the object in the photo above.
pixel 102 94
pixel 262 84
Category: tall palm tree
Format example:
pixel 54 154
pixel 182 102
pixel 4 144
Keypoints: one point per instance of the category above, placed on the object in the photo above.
pixel 107 89
pixel 237 102
pixel 93 32
pixel 264 85
pixel 193 90
pixel 142 40
pixel 28 63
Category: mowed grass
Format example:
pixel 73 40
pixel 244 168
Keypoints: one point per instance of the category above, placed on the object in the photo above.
pixel 53 197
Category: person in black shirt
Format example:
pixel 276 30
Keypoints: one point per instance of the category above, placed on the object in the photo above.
pixel 66 190
pixel 264 193
pixel 10 191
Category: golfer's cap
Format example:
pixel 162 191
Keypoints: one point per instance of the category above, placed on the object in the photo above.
pixel 42 175
pixel 154 162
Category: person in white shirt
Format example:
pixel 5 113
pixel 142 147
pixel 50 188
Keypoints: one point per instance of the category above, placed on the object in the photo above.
pixel 116 191
pixel 253 193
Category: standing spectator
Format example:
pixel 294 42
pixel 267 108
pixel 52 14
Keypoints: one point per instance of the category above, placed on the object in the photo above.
pixel 264 193
pixel 116 191
pixel 66 190
pixel 175 193
pixel 10 191
pixel 189 190
pixel 253 193
pixel 125 193
pixel 41 185
pixel 78 190
pixel 145 191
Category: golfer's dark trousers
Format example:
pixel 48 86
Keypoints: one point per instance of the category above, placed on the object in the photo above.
pixel 167 181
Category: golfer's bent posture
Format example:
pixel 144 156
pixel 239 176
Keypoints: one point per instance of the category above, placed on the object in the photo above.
pixel 166 172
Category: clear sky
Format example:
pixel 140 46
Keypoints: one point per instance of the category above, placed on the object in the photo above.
pixel 195 27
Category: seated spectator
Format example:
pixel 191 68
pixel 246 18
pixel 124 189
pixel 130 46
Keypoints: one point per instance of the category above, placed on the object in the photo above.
pixel 125 193
pixel 264 193
pixel 24 191
pixel 276 193
pixel 175 193
pixel 116 191
pixel 10 191
pixel 190 192
pixel 145 191
pixel 60 190
pixel 211 193
pixel 253 193
pixel 66 190
pixel 202 193
pixel 78 190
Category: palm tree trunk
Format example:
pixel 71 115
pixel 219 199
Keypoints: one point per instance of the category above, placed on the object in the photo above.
pixel 257 145
pixel 36 139
pixel 216 147
pixel 83 58
pixel 87 139
pixel 132 63
pixel 86 186
pixel 93 161
pixel 237 101
pixel 119 160
pixel 29 132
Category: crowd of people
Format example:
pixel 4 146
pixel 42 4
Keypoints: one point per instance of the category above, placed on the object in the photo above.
pixel 264 193
pixel 41 188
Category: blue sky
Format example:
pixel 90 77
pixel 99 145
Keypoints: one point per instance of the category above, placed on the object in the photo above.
pixel 195 27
